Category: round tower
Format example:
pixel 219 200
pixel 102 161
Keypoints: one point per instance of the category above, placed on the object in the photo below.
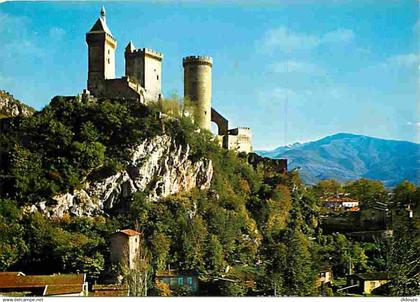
pixel 197 88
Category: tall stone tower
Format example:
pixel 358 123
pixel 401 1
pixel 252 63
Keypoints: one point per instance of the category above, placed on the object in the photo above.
pixel 197 88
pixel 144 66
pixel 101 54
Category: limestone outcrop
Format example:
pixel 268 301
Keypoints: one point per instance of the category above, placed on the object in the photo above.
pixel 10 107
pixel 158 166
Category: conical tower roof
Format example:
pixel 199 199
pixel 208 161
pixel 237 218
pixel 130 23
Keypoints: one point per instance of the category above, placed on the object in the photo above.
pixel 100 24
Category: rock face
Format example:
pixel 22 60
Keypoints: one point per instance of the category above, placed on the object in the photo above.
pixel 158 166
pixel 10 107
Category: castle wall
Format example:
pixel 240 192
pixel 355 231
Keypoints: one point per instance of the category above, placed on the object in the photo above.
pixel 122 88
pixel 197 88
pixel 221 122
pixel 240 140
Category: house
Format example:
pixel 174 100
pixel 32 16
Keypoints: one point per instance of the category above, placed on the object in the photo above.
pixel 367 282
pixel 324 276
pixel 374 216
pixel 339 203
pixel 43 285
pixel 109 290
pixel 176 279
pixel 125 247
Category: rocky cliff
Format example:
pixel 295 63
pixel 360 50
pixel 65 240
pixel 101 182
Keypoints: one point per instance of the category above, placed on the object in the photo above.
pixel 158 166
pixel 10 107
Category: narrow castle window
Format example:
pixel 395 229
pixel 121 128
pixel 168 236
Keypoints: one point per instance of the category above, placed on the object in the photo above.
pixel 109 61
pixel 157 77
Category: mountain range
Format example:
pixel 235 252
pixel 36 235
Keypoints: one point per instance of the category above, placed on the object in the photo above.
pixel 345 157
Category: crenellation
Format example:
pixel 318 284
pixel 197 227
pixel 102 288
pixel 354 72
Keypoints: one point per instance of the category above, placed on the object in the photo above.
pixel 142 82
pixel 196 59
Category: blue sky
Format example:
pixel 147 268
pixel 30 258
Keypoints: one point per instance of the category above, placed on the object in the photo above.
pixel 290 70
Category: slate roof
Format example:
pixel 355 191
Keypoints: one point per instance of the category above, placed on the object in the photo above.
pixel 100 26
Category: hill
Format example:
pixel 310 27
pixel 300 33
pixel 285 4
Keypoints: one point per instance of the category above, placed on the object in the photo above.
pixel 78 170
pixel 346 156
pixel 11 107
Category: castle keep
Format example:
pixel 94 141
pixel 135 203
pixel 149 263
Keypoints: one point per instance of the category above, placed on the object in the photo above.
pixel 142 82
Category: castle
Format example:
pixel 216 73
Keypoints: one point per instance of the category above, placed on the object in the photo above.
pixel 142 82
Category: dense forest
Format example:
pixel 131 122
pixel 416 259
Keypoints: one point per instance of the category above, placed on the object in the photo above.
pixel 255 226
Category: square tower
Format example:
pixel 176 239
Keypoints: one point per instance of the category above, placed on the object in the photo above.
pixel 144 66
pixel 125 247
pixel 101 55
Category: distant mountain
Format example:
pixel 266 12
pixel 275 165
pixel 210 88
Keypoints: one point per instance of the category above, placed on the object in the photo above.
pixel 346 156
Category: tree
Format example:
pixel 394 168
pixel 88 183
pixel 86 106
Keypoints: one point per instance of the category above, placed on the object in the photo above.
pixel 299 276
pixel 138 277
pixel 214 255
pixel 327 188
pixel 12 245
pixel 404 262
pixel 367 191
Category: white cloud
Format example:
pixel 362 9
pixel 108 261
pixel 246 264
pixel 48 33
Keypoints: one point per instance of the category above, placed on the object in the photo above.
pixel 404 60
pixel 286 40
pixel 294 66
pixel 283 39
pixel 416 124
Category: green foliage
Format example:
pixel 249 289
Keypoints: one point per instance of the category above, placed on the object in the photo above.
pixel 329 187
pixel 366 191
pixel 58 148
pixel 12 245
pixel 250 217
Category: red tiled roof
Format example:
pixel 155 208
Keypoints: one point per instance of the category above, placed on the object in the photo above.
pixel 129 232
pixel 340 199
pixel 12 274
pixel 112 290
pixel 15 281
pixel 52 290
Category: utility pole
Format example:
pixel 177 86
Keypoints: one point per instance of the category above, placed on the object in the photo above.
pixel 275 289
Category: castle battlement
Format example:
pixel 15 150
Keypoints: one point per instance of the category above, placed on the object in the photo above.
pixel 145 51
pixel 142 82
pixel 241 131
pixel 197 60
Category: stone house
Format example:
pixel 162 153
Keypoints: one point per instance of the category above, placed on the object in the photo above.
pixel 367 282
pixel 337 204
pixel 125 247
pixel 176 279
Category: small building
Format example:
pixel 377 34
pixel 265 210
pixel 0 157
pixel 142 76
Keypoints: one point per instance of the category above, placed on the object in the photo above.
pixel 324 277
pixel 43 285
pixel 176 279
pixel 240 139
pixel 125 247
pixel 109 290
pixel 367 282
pixel 374 216
pixel 341 203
